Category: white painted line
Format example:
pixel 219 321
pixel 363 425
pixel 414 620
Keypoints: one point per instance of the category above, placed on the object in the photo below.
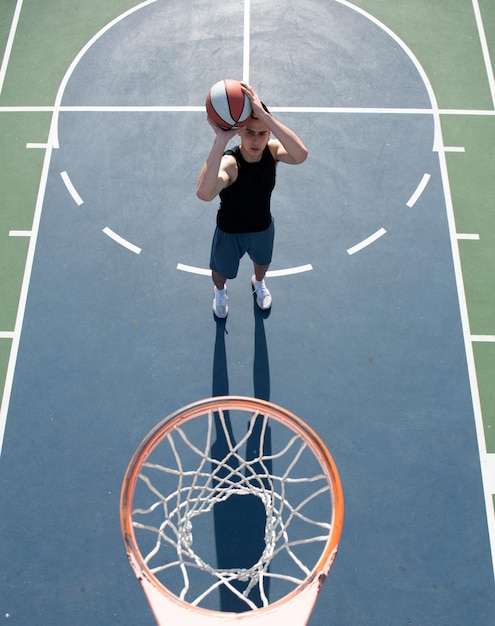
pixel 280 109
pixel 419 190
pixel 289 271
pixel 35 109
pixel 201 109
pixel 484 47
pixel 353 110
pixel 366 242
pixel 14 349
pixel 6 334
pixel 454 149
pixel 488 112
pixel 483 338
pixel 193 270
pixel 246 45
pixel 10 42
pixel 20 233
pixel 488 470
pixel 71 189
pixel 472 236
pixel 166 108
pixel 120 240
pixel 469 351
pixel 40 146
pixel 270 274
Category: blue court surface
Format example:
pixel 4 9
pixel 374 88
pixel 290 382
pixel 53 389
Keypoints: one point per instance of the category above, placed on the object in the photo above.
pixel 364 340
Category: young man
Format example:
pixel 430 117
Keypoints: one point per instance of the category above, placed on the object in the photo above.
pixel 244 178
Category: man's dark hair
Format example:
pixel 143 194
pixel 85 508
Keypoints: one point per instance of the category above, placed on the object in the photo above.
pixel 265 108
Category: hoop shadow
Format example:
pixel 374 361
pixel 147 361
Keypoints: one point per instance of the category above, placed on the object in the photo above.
pixel 240 520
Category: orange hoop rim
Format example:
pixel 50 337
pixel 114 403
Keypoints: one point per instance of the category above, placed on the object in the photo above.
pixel 197 409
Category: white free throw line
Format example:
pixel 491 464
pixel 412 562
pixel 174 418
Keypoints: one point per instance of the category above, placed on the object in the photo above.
pixel 366 242
pixel 71 189
pixel 120 240
pixel 201 109
pixel 419 190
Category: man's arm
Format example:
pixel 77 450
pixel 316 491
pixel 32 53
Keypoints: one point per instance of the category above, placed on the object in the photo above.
pixel 217 171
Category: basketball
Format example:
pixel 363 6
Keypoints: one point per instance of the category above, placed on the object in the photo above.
pixel 227 106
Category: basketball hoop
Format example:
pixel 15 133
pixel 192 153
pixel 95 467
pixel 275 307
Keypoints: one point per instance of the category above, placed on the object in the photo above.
pixel 253 467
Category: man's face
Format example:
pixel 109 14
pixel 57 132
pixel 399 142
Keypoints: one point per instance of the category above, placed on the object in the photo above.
pixel 254 137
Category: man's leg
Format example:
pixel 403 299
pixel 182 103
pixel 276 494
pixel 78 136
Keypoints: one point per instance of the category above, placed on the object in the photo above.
pixel 218 280
pixel 261 248
pixel 220 306
pixel 263 296
pixel 260 271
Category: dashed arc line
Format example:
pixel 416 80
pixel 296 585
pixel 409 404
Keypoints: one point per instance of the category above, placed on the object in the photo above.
pixel 121 241
pixel 108 231
pixel 352 250
pixel 419 190
pixel 366 242
pixel 71 189
pixel 380 232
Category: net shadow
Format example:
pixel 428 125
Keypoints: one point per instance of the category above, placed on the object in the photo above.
pixel 240 521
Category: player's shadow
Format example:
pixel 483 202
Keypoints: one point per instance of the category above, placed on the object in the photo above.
pixel 240 520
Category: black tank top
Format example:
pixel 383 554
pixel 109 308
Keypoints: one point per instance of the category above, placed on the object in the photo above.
pixel 245 204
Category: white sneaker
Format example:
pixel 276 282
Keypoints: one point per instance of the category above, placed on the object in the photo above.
pixel 220 306
pixel 263 296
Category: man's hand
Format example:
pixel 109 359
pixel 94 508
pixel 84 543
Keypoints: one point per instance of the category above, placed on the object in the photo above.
pixel 256 105
pixel 227 135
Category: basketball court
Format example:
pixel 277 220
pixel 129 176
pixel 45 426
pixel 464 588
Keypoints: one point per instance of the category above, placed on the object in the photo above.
pixel 366 339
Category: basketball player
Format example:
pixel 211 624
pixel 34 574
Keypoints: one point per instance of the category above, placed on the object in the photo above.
pixel 244 178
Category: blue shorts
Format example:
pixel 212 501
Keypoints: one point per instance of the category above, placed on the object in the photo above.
pixel 227 249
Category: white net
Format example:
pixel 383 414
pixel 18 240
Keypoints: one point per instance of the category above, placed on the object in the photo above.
pixel 233 509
